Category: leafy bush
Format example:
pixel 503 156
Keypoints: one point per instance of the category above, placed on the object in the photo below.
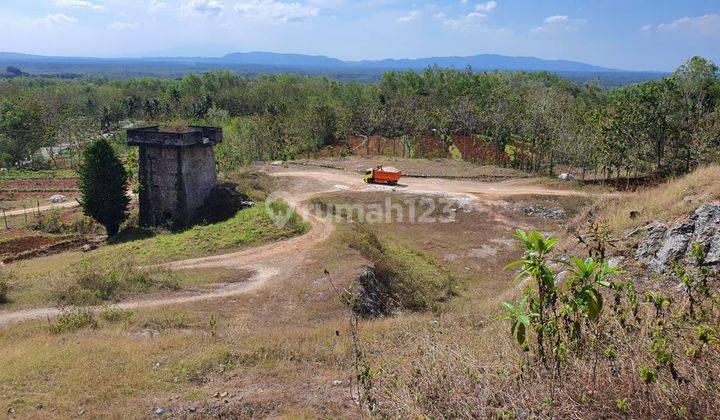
pixel 407 279
pixel 93 283
pixel 52 222
pixel 73 320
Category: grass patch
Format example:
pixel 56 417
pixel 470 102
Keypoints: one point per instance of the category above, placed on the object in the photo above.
pixel 37 174
pixel 257 185
pixel 115 314
pixel 93 282
pixel 249 227
pixel 73 320
pixel 407 278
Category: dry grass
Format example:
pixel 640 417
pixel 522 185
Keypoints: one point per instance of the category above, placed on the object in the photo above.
pixel 35 283
pixel 276 351
pixel 665 202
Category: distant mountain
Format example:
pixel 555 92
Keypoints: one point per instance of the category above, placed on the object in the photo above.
pixel 16 56
pixel 477 62
pixel 276 59
pixel 487 62
pixel 255 63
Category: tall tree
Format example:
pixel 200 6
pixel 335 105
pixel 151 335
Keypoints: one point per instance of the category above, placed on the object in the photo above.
pixel 103 183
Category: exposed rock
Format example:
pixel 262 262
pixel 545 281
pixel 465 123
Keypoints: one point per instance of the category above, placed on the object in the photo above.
pixel 373 300
pixel 543 212
pixel 664 244
pixel 58 198
pixel 566 177
pixel 616 261
pixel 483 252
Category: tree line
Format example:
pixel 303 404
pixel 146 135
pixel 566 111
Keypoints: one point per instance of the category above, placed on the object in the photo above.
pixel 539 120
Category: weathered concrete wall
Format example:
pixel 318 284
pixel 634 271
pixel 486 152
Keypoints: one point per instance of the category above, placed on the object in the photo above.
pixel 199 175
pixel 158 185
pixel 174 183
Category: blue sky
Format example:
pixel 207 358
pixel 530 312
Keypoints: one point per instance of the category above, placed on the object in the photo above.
pixel 626 34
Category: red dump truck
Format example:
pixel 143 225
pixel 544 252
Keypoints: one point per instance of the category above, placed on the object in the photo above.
pixel 382 175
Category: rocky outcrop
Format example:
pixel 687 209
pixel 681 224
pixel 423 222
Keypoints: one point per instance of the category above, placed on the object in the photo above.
pixel 664 243
pixel 372 299
pixel 542 212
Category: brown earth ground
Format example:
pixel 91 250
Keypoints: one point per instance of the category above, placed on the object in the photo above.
pixel 274 345
pixel 439 167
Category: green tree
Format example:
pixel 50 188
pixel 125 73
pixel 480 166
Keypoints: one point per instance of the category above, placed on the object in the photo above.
pixel 103 183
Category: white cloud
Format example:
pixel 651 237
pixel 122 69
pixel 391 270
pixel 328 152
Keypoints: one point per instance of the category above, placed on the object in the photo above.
pixel 208 8
pixel 560 23
pixel 486 7
pixel 647 28
pixel 57 19
pixel 275 10
pixel 706 24
pixel 410 16
pixel 468 21
pixel 327 4
pixel 78 4
pixel 156 5
pixel 122 26
pixel 439 16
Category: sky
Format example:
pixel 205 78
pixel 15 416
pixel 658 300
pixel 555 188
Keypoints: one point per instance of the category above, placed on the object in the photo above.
pixel 624 34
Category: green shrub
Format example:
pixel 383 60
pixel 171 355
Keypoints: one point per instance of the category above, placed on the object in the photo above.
pixel 115 314
pixel 94 283
pixel 73 320
pixel 409 279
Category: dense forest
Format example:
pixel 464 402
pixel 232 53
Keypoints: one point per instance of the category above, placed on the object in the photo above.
pixel 538 120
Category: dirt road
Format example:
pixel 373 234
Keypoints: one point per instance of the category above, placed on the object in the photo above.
pixel 30 210
pixel 274 261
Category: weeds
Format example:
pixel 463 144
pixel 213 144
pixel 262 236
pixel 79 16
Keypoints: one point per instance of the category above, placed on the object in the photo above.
pixel 671 335
pixel 73 320
pixel 115 314
pixel 94 283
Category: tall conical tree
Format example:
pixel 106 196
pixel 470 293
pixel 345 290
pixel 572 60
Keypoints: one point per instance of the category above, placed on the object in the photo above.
pixel 103 185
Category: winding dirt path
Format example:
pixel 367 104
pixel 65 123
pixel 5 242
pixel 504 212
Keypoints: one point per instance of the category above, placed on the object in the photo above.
pixel 275 260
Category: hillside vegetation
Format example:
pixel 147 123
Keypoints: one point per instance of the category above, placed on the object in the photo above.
pixel 666 202
pixel 536 121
